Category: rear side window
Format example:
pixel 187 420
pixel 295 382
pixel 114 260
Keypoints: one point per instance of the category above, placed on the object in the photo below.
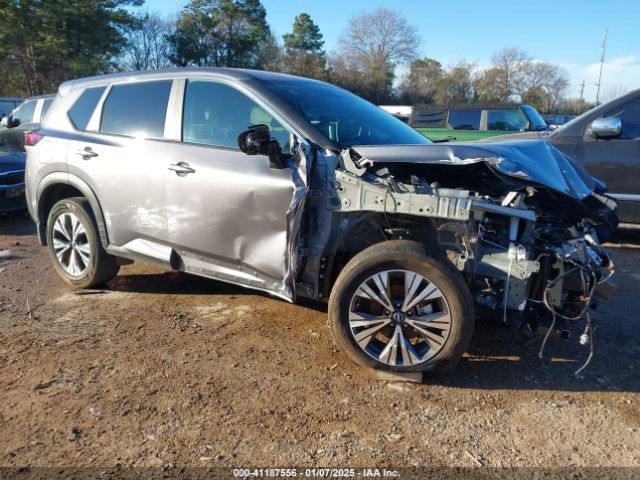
pixel 464 119
pixel 136 110
pixel 81 112
pixel 429 118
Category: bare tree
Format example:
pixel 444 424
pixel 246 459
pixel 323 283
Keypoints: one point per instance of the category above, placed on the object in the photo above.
pixel 148 46
pixel 509 65
pixel 382 37
pixel 375 43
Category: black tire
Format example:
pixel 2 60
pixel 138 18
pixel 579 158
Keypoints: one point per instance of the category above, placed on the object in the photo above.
pixel 101 266
pixel 410 256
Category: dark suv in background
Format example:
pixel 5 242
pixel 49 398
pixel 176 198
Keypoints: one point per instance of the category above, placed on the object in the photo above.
pixel 606 141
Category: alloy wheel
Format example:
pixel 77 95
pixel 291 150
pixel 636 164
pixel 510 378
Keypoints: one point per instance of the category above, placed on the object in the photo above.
pixel 399 318
pixel 71 244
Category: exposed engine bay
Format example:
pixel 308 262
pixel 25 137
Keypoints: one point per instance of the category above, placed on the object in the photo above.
pixel 519 220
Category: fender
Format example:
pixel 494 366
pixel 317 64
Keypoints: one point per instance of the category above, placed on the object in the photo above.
pixel 63 178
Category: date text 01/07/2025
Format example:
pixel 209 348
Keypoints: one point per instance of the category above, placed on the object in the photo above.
pixel 315 473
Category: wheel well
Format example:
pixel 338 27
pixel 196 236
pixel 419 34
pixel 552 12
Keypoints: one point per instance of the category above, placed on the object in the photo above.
pixel 49 198
pixel 371 229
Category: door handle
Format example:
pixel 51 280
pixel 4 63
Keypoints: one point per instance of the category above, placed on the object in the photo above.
pixel 87 153
pixel 181 168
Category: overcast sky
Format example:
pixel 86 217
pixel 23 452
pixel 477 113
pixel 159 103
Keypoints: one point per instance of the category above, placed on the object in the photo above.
pixel 566 32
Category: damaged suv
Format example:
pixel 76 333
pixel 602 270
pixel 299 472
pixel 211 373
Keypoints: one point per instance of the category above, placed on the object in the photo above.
pixel 303 190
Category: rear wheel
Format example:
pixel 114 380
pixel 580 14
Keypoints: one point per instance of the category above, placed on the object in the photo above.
pixel 74 246
pixel 395 308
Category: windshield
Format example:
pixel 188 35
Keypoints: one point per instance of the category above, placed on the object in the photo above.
pixel 536 122
pixel 25 112
pixel 342 116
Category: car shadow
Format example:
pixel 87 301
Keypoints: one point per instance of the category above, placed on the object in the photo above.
pixel 17 223
pixel 498 358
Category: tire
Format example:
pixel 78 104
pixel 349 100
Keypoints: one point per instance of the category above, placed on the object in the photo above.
pixel 395 264
pixel 78 257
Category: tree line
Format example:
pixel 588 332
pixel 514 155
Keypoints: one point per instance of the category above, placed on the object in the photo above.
pixel 45 42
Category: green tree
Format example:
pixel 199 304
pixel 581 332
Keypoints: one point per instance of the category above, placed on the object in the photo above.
pixel 221 33
pixel 303 53
pixel 45 42
pixel 457 84
pixel 305 37
pixel 424 81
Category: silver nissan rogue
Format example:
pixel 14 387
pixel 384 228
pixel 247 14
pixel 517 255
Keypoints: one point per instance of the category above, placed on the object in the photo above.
pixel 300 189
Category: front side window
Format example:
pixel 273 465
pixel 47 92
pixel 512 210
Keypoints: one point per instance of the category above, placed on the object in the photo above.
pixel 82 110
pixel 25 112
pixel 629 113
pixel 464 119
pixel 509 120
pixel 136 109
pixel 215 114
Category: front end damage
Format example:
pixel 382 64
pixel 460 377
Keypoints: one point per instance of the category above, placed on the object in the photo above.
pixel 519 220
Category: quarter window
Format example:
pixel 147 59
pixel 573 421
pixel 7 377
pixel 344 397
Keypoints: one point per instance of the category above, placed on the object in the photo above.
pixel 81 112
pixel 45 108
pixel 215 114
pixel 137 109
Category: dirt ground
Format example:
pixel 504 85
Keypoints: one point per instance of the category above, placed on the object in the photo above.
pixel 167 369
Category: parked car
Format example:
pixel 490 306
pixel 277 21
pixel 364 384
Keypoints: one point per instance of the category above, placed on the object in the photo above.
pixel 606 141
pixel 301 189
pixel 8 104
pixel 473 121
pixel 22 120
pixel 11 179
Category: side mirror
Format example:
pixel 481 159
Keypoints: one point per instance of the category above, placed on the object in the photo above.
pixel 10 122
pixel 257 141
pixel 605 127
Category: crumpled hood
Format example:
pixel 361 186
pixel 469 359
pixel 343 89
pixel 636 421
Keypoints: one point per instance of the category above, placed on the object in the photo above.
pixel 534 161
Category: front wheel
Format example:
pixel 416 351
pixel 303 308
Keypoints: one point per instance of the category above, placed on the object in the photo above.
pixel 395 308
pixel 75 248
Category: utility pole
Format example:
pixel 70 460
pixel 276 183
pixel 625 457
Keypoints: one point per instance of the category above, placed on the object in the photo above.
pixel 604 46
pixel 582 91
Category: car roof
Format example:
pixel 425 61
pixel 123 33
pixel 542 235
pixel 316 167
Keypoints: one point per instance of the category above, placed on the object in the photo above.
pixel 239 74
pixel 38 97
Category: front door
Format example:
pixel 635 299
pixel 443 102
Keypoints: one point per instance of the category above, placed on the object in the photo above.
pixel 617 161
pixel 227 211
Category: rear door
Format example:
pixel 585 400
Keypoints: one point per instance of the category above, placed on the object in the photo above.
pixel 227 211
pixel 120 154
pixel 617 161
